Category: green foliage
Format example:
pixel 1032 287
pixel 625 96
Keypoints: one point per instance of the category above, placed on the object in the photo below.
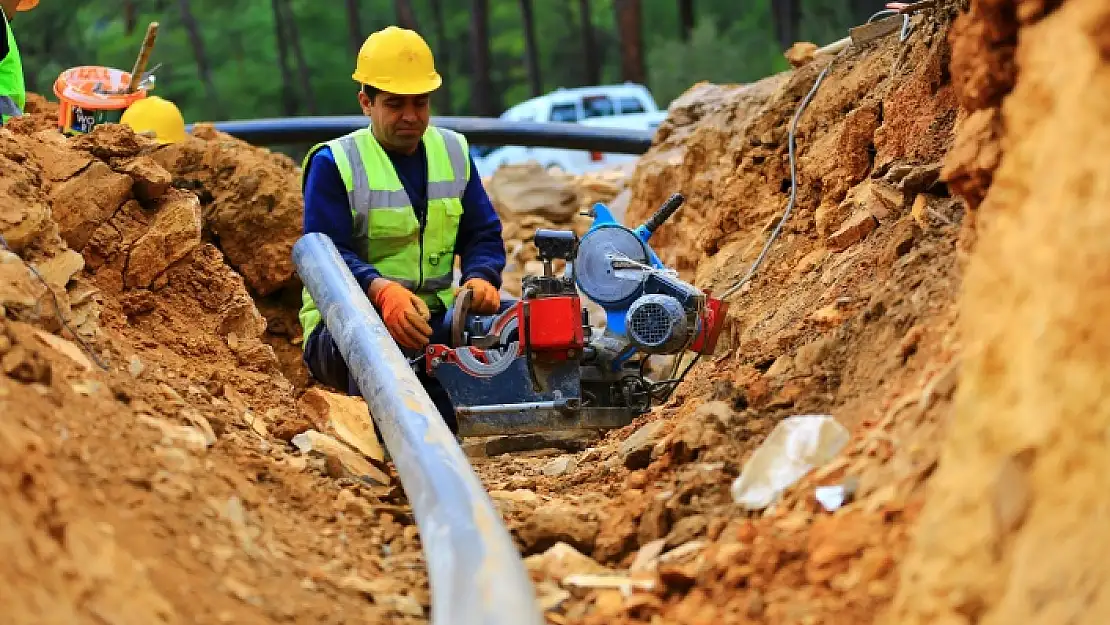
pixel 740 54
pixel 732 42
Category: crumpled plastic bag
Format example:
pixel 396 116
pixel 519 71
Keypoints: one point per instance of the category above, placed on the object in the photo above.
pixel 795 447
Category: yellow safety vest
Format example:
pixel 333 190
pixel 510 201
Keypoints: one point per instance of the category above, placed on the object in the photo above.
pixel 386 229
pixel 13 92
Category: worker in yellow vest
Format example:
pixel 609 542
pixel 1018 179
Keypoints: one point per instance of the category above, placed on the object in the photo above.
pixel 13 90
pixel 400 200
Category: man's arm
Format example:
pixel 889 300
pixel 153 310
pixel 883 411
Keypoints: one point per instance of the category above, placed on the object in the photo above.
pixel 327 210
pixel 479 243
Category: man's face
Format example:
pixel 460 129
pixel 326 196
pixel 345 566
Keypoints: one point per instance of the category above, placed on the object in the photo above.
pixel 399 120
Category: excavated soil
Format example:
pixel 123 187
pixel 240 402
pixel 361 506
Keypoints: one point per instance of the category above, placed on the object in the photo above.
pixel 152 477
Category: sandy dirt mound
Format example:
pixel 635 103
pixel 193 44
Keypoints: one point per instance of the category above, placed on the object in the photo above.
pixel 252 202
pixel 1014 529
pixel 852 315
pixel 147 477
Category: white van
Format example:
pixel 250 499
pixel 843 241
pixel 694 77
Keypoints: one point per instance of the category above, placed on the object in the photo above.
pixel 623 106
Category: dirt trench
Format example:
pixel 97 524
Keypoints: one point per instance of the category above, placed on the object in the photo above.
pixel 166 488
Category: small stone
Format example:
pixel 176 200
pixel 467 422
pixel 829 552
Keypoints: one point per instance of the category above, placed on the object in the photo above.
pixel 560 466
pixel 828 217
pixel 853 231
pixel 921 178
pixel 908 345
pixel 135 366
pixel 550 596
pixel 648 556
pixel 781 366
pixel 557 522
pixel 828 315
pixel 151 180
pixel 635 451
pixel 810 355
pixel 188 436
pixel 608 603
pixel 801 53
pixel 1011 493
pixel 176 231
pixel 810 262
pixel 515 496
pixel 613 581
pixel 686 530
pixel 562 560
pixel 902 241
pixel 344 461
pixel 60 269
pixel 68 349
pixel 882 200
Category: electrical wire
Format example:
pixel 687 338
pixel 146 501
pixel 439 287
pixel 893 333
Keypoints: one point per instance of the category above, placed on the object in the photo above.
pixel 792 147
pixel 58 310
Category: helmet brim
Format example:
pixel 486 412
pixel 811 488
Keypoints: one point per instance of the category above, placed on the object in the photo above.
pixel 414 86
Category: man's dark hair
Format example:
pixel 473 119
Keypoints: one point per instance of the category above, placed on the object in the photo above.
pixel 370 92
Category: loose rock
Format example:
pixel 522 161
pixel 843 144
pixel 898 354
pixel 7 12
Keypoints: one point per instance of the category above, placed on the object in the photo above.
pixel 635 451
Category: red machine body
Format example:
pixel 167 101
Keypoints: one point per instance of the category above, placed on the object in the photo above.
pixel 712 322
pixel 551 327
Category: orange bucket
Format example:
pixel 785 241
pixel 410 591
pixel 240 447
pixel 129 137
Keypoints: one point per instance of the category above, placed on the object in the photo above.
pixel 91 95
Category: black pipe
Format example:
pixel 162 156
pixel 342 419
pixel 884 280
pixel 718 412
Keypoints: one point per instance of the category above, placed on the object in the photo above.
pixel 483 131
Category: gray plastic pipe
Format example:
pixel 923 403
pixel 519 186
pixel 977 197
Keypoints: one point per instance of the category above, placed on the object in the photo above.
pixel 475 571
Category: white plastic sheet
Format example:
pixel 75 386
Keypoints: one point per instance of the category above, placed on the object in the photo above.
pixel 795 447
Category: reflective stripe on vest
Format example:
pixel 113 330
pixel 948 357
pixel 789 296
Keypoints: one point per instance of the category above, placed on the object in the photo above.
pixel 13 91
pixel 386 230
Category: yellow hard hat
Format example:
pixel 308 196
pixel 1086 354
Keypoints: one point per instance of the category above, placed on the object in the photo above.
pixel 157 115
pixel 26 5
pixel 398 61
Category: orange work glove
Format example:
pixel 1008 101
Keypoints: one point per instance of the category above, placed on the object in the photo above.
pixel 405 315
pixel 485 299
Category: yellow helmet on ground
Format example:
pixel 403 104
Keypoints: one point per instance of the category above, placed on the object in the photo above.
pixel 26 5
pixel 156 115
pixel 398 61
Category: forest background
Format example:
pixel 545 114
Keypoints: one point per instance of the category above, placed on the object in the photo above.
pixel 242 59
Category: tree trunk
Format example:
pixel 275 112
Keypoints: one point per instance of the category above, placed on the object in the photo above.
pixel 787 14
pixel 130 17
pixel 406 17
pixel 288 91
pixel 443 58
pixel 631 41
pixel 354 25
pixel 483 97
pixel 203 69
pixel 290 19
pixel 592 64
pixel 686 18
pixel 531 54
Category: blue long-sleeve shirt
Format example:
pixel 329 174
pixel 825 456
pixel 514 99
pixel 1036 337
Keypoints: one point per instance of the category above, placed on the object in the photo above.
pixel 478 243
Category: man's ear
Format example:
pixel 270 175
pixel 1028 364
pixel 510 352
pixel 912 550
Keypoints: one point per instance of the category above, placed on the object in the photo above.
pixel 364 102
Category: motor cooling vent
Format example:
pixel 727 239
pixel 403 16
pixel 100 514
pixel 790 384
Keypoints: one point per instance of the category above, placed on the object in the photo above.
pixel 657 324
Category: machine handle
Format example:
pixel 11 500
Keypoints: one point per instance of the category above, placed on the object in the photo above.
pixel 664 213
